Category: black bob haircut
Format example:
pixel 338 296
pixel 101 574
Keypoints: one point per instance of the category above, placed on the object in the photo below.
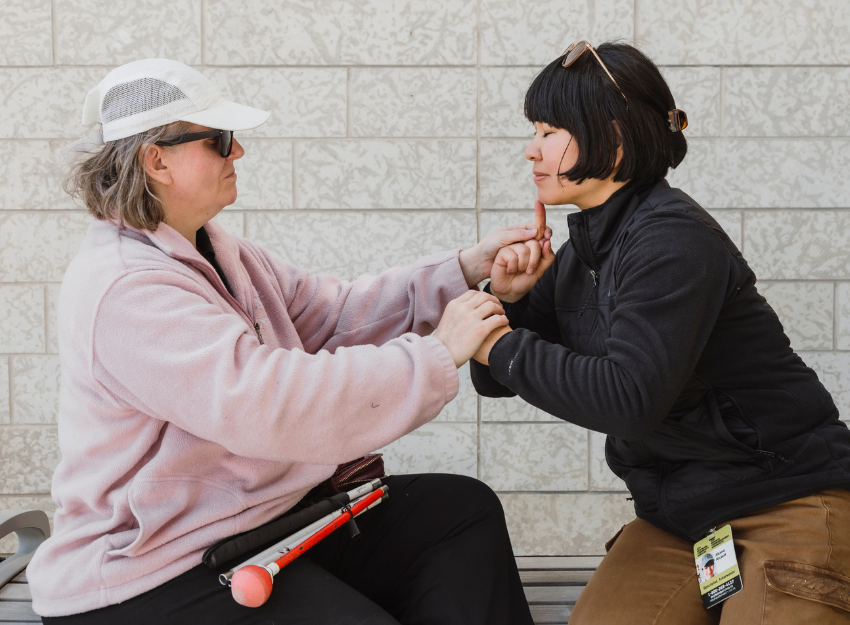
pixel 583 100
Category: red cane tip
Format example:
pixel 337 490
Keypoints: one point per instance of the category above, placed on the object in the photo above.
pixel 251 586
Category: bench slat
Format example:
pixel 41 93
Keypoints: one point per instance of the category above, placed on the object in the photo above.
pixel 558 562
pixel 566 595
pixel 15 592
pixel 540 578
pixel 551 613
pixel 18 611
pixel 20 578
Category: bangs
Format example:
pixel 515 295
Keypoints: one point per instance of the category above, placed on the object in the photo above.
pixel 548 98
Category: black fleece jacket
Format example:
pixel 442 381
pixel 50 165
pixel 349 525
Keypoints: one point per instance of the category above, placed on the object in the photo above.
pixel 649 328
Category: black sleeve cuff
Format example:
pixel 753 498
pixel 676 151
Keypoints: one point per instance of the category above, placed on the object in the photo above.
pixel 503 354
pixel 484 383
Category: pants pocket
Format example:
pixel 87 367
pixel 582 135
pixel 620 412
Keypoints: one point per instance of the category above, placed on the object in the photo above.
pixel 809 582
pixel 613 539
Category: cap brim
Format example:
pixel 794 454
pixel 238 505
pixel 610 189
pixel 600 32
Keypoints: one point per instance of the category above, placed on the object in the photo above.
pixel 227 115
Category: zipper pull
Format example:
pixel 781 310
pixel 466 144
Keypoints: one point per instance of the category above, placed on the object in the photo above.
pixel 259 332
pixel 771 454
pixel 593 274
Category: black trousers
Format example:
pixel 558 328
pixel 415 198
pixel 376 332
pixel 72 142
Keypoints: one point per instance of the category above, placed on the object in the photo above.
pixel 436 552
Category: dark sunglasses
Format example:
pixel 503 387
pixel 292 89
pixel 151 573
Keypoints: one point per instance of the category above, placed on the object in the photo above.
pixel 225 140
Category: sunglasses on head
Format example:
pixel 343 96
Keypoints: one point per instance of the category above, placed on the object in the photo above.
pixel 677 118
pixel 572 54
pixel 225 140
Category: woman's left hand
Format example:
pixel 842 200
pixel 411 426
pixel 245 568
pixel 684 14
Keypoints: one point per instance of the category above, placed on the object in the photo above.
pixel 477 262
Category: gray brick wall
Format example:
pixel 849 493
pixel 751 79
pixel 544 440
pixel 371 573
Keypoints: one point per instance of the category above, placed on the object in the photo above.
pixel 397 131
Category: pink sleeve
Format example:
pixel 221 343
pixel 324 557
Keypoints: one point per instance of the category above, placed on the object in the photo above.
pixel 329 313
pixel 161 346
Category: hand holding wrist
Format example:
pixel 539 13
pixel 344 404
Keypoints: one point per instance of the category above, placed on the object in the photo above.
pixel 472 263
pixel 467 321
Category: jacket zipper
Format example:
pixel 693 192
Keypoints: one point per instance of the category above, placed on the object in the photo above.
pixel 226 294
pixel 773 454
pixel 592 289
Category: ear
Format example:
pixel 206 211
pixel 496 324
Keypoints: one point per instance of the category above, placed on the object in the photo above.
pixel 155 163
pixel 619 143
pixel 617 133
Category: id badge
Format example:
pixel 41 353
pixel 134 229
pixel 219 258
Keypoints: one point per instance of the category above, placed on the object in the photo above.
pixel 717 567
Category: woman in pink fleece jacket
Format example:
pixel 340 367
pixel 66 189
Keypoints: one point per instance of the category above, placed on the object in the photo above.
pixel 207 387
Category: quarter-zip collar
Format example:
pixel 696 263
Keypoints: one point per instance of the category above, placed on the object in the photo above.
pixel 175 245
pixel 592 230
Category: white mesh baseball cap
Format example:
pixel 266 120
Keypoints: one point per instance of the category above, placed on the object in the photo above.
pixel 145 94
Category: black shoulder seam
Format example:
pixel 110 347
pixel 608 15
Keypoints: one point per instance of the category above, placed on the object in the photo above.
pixel 674 213
pixel 737 258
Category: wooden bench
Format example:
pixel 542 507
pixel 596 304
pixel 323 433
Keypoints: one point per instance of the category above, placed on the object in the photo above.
pixel 16 603
pixel 552 585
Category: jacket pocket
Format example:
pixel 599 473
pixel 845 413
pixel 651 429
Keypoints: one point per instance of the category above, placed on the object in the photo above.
pixel 702 455
pixel 571 324
pixel 699 435
pixel 809 582
pixel 166 508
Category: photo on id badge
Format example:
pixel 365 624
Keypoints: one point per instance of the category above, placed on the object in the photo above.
pixel 717 567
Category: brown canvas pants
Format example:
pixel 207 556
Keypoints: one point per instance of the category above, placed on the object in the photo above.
pixel 794 560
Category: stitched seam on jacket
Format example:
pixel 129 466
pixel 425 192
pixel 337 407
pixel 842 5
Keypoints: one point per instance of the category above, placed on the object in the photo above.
pixel 91 354
pixel 96 317
pixel 375 322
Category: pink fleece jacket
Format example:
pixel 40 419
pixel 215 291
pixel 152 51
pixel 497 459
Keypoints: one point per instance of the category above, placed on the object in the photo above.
pixel 186 415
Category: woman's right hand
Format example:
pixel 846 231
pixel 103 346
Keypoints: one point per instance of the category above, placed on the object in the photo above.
pixel 467 321
pixel 519 266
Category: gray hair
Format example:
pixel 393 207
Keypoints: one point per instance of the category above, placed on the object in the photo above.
pixel 111 181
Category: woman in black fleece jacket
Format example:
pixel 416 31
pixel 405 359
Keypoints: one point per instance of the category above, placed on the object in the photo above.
pixel 647 326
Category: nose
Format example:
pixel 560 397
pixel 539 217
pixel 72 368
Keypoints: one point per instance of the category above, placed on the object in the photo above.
pixel 236 151
pixel 532 150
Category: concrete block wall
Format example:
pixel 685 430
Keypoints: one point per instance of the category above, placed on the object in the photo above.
pixel 396 131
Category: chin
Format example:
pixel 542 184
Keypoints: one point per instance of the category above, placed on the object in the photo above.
pixel 552 199
pixel 556 195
